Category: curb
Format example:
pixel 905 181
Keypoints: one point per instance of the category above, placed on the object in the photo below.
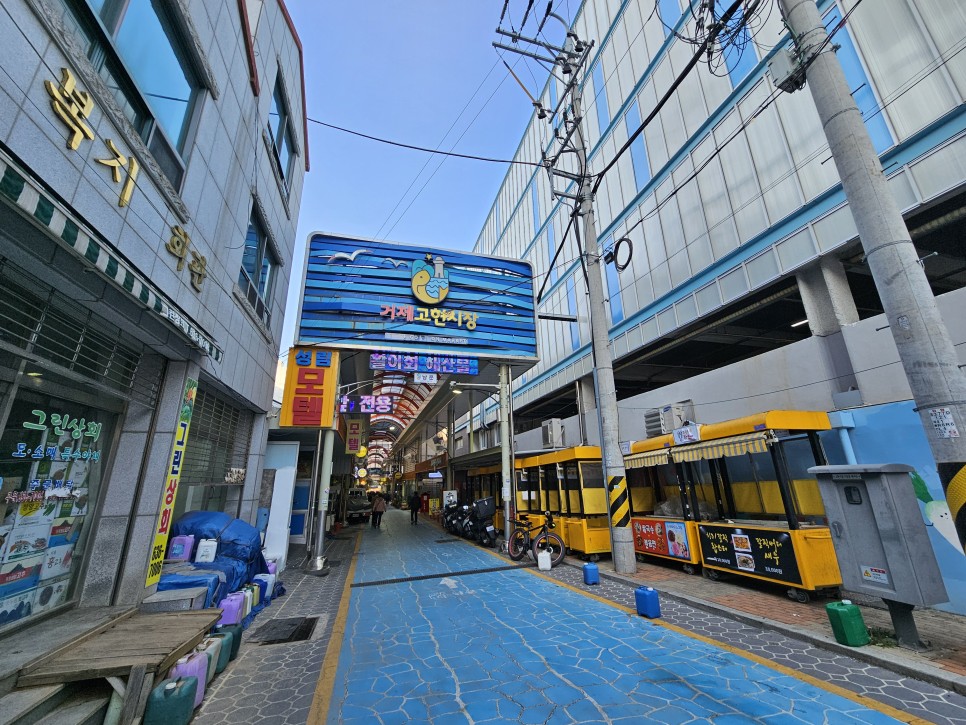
pixel 922 671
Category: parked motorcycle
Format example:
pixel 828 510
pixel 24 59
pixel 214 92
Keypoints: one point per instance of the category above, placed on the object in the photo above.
pixel 479 525
pixel 450 512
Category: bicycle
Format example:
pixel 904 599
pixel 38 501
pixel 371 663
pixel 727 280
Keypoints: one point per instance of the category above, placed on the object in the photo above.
pixel 522 540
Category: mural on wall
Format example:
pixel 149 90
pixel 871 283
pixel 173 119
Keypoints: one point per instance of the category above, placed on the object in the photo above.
pixel 893 433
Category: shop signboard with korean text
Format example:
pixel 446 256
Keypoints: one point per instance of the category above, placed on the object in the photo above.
pixel 311 381
pixel 661 537
pixel 355 434
pixel 398 362
pixel 374 295
pixel 766 553
pixel 171 482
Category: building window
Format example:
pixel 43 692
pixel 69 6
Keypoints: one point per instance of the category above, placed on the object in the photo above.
pixel 280 133
pixel 136 49
pixel 600 98
pixel 613 288
pixel 259 264
pixel 642 170
pixel 670 12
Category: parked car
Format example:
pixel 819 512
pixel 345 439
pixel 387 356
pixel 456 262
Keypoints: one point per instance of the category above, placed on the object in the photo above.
pixel 358 505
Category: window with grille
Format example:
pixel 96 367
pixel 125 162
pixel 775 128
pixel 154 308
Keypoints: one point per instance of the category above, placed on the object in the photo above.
pixel 218 440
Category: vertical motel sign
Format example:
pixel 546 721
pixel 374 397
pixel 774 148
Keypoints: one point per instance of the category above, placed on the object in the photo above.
pixel 172 479
pixel 311 381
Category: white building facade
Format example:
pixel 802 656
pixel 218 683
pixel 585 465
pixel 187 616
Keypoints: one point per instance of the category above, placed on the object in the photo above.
pixel 746 289
pixel 152 158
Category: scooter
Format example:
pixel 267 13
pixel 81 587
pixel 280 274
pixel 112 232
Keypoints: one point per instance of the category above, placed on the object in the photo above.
pixel 450 512
pixel 480 523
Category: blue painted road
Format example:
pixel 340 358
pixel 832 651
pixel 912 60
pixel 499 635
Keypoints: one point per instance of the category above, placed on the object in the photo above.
pixel 467 646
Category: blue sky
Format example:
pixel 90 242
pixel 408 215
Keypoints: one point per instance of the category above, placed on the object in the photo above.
pixel 420 72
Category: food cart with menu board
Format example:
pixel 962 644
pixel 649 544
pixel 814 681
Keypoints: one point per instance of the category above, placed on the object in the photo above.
pixel 749 505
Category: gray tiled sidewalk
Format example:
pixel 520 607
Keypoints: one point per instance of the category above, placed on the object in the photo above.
pixel 275 683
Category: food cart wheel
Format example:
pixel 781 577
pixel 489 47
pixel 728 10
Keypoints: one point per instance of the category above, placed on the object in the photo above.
pixel 689 569
pixel 639 557
pixel 594 558
pixel 798 595
pixel 712 574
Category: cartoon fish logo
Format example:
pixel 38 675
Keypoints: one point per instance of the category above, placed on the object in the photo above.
pixel 430 280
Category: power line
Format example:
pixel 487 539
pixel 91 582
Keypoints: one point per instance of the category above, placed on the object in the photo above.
pixel 422 148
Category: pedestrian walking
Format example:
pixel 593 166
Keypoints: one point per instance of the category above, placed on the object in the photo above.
pixel 378 508
pixel 415 502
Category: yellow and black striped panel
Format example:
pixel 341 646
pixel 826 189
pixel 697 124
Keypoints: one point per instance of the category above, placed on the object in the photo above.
pixel 620 509
pixel 955 495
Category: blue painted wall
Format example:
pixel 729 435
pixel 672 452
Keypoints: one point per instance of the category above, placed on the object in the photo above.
pixel 892 433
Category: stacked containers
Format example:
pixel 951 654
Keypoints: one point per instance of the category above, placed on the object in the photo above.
pixel 193 665
pixel 269 580
pixel 232 608
pixel 181 547
pixel 212 649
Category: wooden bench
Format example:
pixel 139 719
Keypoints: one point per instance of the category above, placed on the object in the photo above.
pixel 130 653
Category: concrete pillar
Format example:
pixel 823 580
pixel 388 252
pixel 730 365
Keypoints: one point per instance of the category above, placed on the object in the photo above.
pixel 118 554
pixel 829 306
pixel 587 412
pixel 253 475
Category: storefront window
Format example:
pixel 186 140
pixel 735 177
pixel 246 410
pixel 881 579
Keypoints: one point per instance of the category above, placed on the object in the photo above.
pixel 53 455
pixel 571 487
pixel 595 495
pixel 754 486
pixel 805 493
pixel 551 489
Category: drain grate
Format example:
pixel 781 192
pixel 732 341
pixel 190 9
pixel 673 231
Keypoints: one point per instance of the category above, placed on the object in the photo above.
pixel 439 576
pixel 280 631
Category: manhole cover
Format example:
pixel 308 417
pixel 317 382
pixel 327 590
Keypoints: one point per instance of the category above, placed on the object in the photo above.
pixel 291 629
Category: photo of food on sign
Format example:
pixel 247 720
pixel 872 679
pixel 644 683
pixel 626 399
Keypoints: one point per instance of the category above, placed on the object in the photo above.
pixel 741 542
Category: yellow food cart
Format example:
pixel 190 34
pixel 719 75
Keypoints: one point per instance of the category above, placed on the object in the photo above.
pixel 753 507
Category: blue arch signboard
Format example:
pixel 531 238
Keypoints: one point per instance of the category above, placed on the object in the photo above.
pixel 376 295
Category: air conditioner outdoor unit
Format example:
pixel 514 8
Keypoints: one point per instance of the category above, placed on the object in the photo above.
pixel 663 420
pixel 553 433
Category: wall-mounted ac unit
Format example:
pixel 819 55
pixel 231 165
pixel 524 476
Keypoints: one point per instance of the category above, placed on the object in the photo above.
pixel 553 433
pixel 663 420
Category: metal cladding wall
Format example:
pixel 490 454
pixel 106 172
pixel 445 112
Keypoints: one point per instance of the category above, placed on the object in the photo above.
pixel 378 295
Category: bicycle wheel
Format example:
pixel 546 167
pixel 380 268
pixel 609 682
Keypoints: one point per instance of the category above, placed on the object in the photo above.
pixel 552 544
pixel 516 545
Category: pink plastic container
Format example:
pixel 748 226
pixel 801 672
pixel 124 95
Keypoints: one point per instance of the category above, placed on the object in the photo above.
pixel 181 547
pixel 272 567
pixel 193 665
pixel 232 608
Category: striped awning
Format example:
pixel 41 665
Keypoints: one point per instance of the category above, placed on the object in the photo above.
pixel 648 458
pixel 731 446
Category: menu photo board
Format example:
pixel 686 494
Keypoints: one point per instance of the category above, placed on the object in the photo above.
pixel 661 537
pixel 761 552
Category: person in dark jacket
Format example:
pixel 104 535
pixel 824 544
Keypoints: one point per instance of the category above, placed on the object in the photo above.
pixel 415 503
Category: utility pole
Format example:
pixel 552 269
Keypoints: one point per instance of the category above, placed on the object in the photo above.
pixel 925 348
pixel 572 59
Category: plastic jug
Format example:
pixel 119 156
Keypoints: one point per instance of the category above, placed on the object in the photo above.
pixel 232 608
pixel 207 549
pixel 256 594
pixel 269 580
pixel 181 547
pixel 848 626
pixel 193 665
pixel 171 702
pixel 235 630
pixel 272 567
pixel 261 590
pixel 224 653
pixel 212 648
pixel 648 603
pixel 543 561
pixel 591 573
pixel 247 593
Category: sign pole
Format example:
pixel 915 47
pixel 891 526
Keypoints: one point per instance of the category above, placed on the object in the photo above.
pixel 318 565
pixel 507 472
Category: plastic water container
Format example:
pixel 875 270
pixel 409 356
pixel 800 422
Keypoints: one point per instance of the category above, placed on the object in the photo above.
pixel 543 560
pixel 171 702
pixel 272 567
pixel 247 593
pixel 232 608
pixel 848 626
pixel 591 573
pixel 256 593
pixel 181 547
pixel 269 580
pixel 648 604
pixel 212 648
pixel 207 549
pixel 235 630
pixel 194 665
pixel 224 654
pixel 261 588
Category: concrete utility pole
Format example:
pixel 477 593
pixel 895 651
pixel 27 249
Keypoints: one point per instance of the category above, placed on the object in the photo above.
pixel 572 59
pixel 925 348
pixel 506 470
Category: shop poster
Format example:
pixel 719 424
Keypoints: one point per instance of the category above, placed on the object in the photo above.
pixel 765 553
pixel 661 537
pixel 171 484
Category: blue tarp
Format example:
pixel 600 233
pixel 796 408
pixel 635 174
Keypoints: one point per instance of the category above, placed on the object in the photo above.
pixel 239 554
pixel 186 580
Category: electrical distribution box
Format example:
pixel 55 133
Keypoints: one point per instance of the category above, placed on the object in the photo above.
pixel 878 533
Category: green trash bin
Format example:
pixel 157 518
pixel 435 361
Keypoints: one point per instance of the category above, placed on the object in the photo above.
pixel 847 623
